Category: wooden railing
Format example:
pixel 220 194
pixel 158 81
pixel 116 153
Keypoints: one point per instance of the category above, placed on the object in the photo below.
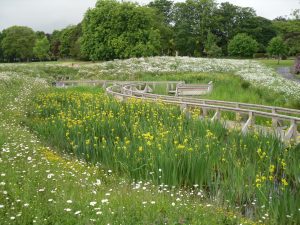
pixel 132 89
pixel 276 114
pixel 105 83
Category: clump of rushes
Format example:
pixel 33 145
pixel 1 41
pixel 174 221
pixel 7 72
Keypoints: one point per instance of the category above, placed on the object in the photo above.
pixel 157 142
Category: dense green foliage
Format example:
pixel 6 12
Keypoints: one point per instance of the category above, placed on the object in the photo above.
pixel 210 47
pixel 42 48
pixel 242 45
pixel 116 29
pixel 70 42
pixel 290 31
pixel 128 31
pixel 17 43
pixel 277 47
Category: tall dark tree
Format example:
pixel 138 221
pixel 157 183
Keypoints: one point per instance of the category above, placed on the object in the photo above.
pixel 17 43
pixel 55 44
pixel 231 20
pixel 261 29
pixel 164 12
pixel 68 40
pixel 40 34
pixel 289 30
pixel 211 48
pixel 1 51
pixel 163 7
pixel 193 20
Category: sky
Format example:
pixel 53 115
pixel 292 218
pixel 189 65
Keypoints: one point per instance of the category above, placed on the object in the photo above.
pixel 45 15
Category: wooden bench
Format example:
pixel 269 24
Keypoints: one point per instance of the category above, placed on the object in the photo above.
pixel 193 89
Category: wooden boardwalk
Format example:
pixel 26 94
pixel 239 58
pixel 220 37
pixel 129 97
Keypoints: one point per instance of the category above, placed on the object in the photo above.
pixel 285 122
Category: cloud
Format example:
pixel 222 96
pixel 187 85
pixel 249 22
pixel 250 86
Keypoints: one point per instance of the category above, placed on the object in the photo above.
pixel 43 15
pixel 48 15
pixel 269 9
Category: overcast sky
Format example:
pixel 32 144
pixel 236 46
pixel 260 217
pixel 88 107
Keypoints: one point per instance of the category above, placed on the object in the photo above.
pixel 48 15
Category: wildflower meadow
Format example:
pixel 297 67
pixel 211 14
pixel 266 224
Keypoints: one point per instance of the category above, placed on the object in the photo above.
pixel 78 156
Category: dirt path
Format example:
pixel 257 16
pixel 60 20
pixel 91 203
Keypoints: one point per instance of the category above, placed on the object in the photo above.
pixel 285 72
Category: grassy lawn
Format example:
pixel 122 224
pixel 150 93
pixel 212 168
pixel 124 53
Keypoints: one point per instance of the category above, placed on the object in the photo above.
pixel 226 87
pixel 273 63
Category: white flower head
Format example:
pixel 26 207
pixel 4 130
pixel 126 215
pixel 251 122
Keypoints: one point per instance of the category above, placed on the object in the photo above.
pixel 93 203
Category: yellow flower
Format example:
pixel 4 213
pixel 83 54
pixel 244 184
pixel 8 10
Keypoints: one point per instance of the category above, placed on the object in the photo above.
pixel 284 182
pixel 140 148
pixel 283 164
pixel 271 168
pixel 180 146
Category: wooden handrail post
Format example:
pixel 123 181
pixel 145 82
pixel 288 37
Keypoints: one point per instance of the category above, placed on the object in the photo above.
pixel 291 132
pixel 183 107
pixel 210 87
pixel 274 119
pixel 249 122
pixel 217 115
pixel 204 110
pixel 237 114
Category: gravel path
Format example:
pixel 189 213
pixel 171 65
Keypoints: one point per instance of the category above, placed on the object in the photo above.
pixel 285 72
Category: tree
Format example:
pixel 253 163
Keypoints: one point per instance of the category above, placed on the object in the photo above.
pixel 69 39
pixel 17 43
pixel 42 48
pixel 1 51
pixel 295 14
pixel 261 29
pixel 277 48
pixel 289 30
pixel 55 44
pixel 163 7
pixel 230 21
pixel 211 47
pixel 164 14
pixel 119 30
pixel 193 20
pixel 242 45
pixel 40 34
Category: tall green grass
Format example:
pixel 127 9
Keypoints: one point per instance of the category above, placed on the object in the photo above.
pixel 156 142
pixel 39 186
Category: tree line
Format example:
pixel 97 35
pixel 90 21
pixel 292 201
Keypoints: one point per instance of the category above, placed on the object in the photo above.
pixel 121 30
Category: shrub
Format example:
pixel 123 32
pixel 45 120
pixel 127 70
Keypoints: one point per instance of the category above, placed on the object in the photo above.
pixel 242 45
pixel 260 55
pixel 245 84
pixel 277 48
